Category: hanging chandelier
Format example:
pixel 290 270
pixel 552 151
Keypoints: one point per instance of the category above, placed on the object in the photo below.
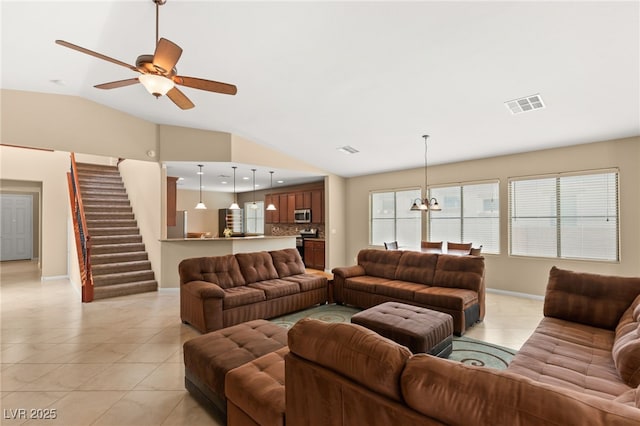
pixel 426 203
pixel 234 205
pixel 271 206
pixel 200 205
pixel 254 205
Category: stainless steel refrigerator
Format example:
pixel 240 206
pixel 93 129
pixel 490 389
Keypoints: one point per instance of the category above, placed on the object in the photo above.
pixel 180 230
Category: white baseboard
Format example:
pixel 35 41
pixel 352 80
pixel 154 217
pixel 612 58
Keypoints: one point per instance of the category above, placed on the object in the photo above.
pixel 169 290
pixel 54 277
pixel 76 288
pixel 515 294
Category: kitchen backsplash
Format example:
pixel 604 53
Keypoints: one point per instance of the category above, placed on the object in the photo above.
pixel 292 229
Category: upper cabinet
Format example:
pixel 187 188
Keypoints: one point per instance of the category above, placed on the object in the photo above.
pixel 286 203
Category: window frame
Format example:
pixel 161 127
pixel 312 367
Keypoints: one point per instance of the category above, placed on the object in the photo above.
pixel 418 215
pixel 462 239
pixel 558 216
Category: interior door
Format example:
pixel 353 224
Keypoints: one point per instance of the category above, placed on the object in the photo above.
pixel 16 227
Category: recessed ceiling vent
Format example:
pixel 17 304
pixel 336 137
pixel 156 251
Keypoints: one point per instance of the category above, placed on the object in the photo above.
pixel 348 149
pixel 528 103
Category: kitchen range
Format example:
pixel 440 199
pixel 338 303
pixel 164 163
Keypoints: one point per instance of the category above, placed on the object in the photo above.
pixel 305 233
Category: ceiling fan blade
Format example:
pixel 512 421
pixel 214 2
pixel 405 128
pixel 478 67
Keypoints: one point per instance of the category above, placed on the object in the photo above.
pixel 166 55
pixel 180 98
pixel 95 54
pixel 116 84
pixel 209 85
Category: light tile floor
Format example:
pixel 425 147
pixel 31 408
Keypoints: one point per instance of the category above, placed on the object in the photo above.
pixel 119 361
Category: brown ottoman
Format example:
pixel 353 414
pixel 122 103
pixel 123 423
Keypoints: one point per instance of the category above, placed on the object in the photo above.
pixel 209 357
pixel 421 330
pixel 255 391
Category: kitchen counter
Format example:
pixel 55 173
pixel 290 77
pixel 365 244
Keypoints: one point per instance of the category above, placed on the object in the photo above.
pixel 174 250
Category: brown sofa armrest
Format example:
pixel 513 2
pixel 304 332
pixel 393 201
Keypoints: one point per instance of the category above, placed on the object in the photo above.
pixel 203 289
pixel 348 271
pixel 591 299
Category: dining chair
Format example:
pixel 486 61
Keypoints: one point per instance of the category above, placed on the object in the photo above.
pixel 475 251
pixel 393 245
pixel 460 249
pixel 431 246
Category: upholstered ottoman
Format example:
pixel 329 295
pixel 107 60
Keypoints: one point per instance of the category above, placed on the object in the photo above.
pixel 255 391
pixel 421 330
pixel 209 357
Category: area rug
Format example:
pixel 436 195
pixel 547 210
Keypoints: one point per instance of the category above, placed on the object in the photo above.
pixel 465 350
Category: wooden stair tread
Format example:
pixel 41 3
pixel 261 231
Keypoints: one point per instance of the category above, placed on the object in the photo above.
pixel 124 289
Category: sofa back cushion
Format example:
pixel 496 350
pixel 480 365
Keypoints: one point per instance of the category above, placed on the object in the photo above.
pixel 626 345
pixel 592 299
pixel 287 262
pixel 379 263
pixel 256 266
pixel 459 272
pixel 352 351
pixel 417 267
pixel 459 394
pixel 221 270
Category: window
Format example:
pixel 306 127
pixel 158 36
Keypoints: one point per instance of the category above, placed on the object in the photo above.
pixel 254 218
pixel 470 214
pixel 391 219
pixel 569 216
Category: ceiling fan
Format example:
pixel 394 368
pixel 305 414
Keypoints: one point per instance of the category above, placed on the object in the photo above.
pixel 158 73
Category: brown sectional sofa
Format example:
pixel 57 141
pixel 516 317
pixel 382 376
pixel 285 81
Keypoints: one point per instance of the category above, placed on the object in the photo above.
pixel 220 291
pixel 580 366
pixel 442 282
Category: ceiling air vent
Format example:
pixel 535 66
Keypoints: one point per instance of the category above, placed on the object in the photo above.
pixel 348 149
pixel 528 103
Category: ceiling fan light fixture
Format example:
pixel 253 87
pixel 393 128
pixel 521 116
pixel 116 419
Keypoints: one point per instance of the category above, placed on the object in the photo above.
pixel 155 84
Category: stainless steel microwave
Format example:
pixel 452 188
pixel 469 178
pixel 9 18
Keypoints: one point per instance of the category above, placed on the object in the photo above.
pixel 302 216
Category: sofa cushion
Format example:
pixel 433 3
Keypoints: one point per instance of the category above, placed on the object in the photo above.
pixel 572 356
pixel 448 298
pixel 459 394
pixel 221 270
pixel 459 272
pixel 276 288
pixel 581 297
pixel 256 266
pixel 417 267
pixel 287 262
pixel 380 263
pixel 626 346
pixel 240 296
pixel 257 388
pixel 308 282
pixel 399 289
pixel 366 283
pixel 353 351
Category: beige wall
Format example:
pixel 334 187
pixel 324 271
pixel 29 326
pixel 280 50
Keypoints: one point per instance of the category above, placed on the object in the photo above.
pixel 49 168
pixel 336 226
pixel 72 124
pixel 504 272
pixel 185 144
pixel 142 181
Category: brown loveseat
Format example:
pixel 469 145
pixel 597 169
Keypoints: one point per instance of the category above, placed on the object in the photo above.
pixel 217 292
pixel 445 283
pixel 580 367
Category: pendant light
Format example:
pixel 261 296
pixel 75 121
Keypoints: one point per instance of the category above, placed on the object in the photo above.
pixel 234 205
pixel 427 203
pixel 254 205
pixel 271 206
pixel 200 205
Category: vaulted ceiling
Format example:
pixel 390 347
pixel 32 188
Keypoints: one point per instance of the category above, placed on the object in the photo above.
pixel 376 76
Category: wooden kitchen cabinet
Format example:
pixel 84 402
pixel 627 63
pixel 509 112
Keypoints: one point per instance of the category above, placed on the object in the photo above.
pixel 283 210
pixel 291 207
pixel 172 195
pixel 317 206
pixel 314 254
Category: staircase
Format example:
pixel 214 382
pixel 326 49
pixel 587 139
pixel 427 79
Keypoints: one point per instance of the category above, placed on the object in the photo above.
pixel 119 262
